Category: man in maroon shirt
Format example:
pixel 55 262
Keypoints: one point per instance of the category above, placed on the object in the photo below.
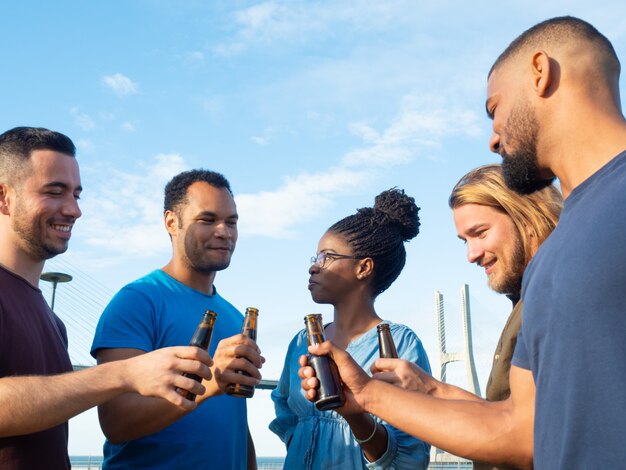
pixel 39 190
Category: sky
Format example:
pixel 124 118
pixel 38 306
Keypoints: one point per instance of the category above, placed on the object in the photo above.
pixel 309 108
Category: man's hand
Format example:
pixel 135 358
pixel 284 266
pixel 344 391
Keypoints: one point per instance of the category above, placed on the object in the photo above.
pixel 233 354
pixel 159 373
pixel 404 374
pixel 352 375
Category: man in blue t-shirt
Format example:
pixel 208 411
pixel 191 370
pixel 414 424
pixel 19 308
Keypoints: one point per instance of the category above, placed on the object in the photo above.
pixel 164 308
pixel 553 95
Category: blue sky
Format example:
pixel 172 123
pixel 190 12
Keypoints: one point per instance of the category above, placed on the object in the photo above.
pixel 309 108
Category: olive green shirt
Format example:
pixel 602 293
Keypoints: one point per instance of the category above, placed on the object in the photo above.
pixel 498 386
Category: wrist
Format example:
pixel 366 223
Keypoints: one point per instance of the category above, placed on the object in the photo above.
pixel 366 395
pixel 368 438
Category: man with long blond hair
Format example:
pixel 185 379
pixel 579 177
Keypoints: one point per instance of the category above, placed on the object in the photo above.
pixel 502 231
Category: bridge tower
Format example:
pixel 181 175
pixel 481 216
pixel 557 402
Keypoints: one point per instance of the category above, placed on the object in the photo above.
pixel 467 355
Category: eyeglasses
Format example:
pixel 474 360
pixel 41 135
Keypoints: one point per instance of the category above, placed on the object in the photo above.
pixel 323 259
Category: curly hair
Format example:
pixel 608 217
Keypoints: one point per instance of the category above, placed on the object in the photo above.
pixel 380 232
pixel 176 189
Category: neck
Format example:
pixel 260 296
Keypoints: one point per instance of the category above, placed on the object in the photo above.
pixel 200 281
pixel 20 263
pixel 351 319
pixel 585 141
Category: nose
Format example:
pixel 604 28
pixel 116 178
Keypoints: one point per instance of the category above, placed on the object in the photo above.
pixel 70 207
pixel 494 143
pixel 223 231
pixel 314 268
pixel 474 251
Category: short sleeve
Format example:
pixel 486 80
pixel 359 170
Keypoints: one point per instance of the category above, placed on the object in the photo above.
pixel 127 322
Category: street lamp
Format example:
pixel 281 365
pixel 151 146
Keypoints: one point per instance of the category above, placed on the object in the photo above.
pixel 55 278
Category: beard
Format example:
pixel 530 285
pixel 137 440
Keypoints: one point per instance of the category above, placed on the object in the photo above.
pixel 202 261
pixel 33 237
pixel 520 167
pixel 510 282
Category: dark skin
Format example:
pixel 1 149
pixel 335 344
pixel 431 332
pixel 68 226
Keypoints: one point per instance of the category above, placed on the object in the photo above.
pixel 346 284
pixel 204 233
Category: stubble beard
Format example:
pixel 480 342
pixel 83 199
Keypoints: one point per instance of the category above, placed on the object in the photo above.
pixel 510 282
pixel 33 237
pixel 199 260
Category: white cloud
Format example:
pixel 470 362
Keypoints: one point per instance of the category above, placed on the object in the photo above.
pixel 257 16
pixel 123 211
pixel 299 199
pixel 85 146
pixel 128 126
pixel 420 125
pixel 259 140
pixel 275 21
pixel 82 120
pixel 120 84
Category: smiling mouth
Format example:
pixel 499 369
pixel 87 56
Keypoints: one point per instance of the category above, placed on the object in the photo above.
pixel 488 266
pixel 61 228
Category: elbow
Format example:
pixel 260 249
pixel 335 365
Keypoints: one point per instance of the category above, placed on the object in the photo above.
pixel 114 436
pixel 114 430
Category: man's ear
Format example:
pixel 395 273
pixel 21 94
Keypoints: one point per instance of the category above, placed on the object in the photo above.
pixel 6 194
pixel 170 220
pixel 543 73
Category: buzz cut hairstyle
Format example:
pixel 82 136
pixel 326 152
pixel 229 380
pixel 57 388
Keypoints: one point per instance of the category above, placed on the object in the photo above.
pixel 555 31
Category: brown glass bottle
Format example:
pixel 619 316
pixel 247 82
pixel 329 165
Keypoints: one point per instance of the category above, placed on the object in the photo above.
pixel 329 393
pixel 201 339
pixel 386 346
pixel 248 329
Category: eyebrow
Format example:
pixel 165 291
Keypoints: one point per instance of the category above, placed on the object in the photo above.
pixel 60 184
pixel 474 229
pixel 213 214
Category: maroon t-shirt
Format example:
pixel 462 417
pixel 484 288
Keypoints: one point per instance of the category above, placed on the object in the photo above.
pixel 33 341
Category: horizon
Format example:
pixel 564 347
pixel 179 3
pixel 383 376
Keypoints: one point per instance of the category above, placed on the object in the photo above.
pixel 309 108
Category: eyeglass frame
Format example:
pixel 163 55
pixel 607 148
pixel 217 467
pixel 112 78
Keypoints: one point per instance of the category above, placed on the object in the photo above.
pixel 315 260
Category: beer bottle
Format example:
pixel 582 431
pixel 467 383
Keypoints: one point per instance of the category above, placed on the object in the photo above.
pixel 386 347
pixel 201 339
pixel 248 329
pixel 329 392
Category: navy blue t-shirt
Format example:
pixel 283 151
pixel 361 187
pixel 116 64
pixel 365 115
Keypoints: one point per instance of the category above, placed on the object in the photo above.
pixel 573 335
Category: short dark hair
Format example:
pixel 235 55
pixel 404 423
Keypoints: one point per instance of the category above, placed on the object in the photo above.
pixel 17 145
pixel 555 30
pixel 176 189
pixel 379 233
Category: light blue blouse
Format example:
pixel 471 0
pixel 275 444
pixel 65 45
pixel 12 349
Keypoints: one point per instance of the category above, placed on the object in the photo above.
pixel 323 439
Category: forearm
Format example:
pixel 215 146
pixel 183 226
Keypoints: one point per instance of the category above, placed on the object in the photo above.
pixel 451 392
pixel 478 430
pixel 131 416
pixel 364 427
pixel 30 404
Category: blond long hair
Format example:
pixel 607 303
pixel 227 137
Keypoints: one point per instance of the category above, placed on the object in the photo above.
pixel 534 215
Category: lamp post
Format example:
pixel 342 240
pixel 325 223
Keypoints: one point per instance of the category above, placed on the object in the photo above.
pixel 55 278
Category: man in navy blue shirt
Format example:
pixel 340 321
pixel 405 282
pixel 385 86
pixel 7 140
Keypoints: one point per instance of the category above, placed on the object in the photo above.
pixel 553 96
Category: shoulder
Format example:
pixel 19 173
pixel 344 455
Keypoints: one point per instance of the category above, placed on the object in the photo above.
pixel 398 330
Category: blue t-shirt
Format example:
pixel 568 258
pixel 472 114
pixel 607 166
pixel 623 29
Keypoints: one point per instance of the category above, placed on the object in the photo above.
pixel 154 312
pixel 573 335
pixel 320 440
